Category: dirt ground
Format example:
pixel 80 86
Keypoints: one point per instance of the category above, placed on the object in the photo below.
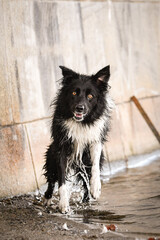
pixel 24 218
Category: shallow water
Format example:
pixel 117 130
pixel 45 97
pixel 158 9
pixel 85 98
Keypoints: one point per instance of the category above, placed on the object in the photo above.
pixel 131 201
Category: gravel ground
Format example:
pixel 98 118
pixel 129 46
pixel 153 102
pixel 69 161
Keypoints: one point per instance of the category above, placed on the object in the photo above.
pixel 24 218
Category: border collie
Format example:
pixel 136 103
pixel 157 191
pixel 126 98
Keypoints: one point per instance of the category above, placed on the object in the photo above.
pixel 80 124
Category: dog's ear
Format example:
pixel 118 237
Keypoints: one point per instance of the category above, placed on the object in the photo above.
pixel 66 72
pixel 103 75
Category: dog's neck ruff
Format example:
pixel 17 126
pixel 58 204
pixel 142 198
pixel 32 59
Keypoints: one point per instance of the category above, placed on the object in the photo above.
pixel 86 134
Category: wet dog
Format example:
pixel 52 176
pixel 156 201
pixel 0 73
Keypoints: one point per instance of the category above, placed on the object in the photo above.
pixel 80 124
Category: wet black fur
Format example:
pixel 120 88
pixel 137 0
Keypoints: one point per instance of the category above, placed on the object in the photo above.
pixel 61 147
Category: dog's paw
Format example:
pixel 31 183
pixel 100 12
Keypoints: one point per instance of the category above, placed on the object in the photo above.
pixel 47 202
pixel 95 188
pixel 64 207
pixel 63 199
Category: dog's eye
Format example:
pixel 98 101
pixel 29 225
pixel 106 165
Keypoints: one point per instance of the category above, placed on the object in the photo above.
pixel 90 96
pixel 74 93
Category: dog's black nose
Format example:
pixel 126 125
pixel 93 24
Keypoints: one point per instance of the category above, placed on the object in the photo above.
pixel 79 108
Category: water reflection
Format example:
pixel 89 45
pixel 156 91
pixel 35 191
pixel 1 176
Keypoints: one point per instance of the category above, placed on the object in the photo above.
pixel 97 216
pixel 131 200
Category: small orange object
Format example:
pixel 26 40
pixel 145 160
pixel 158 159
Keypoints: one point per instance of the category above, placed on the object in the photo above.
pixel 111 227
pixel 151 238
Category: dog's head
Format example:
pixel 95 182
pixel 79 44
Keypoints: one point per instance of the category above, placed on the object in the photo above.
pixel 83 93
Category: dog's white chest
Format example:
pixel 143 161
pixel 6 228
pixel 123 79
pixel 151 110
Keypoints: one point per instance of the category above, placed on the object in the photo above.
pixel 85 134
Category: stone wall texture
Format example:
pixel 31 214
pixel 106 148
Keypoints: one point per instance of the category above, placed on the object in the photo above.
pixel 35 38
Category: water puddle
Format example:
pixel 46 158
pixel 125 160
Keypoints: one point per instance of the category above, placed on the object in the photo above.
pixel 130 200
pixel 95 216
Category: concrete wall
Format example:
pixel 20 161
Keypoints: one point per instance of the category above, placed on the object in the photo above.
pixel 38 36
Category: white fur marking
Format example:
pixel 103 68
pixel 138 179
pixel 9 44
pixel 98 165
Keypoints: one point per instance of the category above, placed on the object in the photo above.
pixel 84 134
pixel 95 182
pixel 64 200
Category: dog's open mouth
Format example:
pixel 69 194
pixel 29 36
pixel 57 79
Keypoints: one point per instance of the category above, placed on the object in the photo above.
pixel 78 116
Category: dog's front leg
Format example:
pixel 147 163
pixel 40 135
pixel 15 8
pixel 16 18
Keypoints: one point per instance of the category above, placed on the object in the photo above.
pixel 95 182
pixel 63 193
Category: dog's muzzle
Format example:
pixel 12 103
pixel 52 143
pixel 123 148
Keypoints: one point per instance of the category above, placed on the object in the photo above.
pixel 79 113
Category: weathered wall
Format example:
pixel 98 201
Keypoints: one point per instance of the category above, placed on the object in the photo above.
pixel 38 36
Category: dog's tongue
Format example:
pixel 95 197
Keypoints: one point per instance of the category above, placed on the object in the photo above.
pixel 78 115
